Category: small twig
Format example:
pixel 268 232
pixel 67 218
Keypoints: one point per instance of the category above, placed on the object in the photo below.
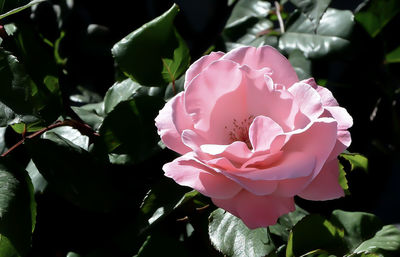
pixel 186 218
pixel 173 87
pixel 203 207
pixel 278 14
pixel 82 127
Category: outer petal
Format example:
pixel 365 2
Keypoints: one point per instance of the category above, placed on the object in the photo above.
pixel 265 56
pixel 326 185
pixel 341 115
pixel 308 99
pixel 291 165
pixel 327 97
pixel 200 65
pixel 262 133
pixel 256 211
pixel 188 172
pixel 166 126
pixel 343 141
pixel 316 140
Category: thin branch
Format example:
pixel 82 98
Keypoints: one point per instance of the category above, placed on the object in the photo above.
pixel 82 127
pixel 278 14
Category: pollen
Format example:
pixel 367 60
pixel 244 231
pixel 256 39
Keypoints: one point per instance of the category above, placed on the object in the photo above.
pixel 239 131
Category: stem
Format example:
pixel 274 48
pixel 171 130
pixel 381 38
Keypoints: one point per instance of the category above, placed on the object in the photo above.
pixel 173 87
pixel 83 128
pixel 278 14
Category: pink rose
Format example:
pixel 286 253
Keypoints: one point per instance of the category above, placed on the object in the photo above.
pixel 252 136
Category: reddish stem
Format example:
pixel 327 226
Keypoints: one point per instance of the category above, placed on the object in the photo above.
pixel 83 128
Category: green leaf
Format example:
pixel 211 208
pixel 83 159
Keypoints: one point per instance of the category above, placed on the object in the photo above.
pixel 357 161
pixel 38 181
pixel 342 179
pixel 287 222
pixel 21 8
pixel 331 35
pixel 301 64
pixel 376 14
pixel 160 243
pixel 17 87
pixel 154 54
pixel 17 209
pixel 393 56
pixel 129 128
pixel 120 91
pixel 312 233
pixel 386 240
pixel 73 172
pixel 232 237
pixel 91 114
pixel 248 25
pixel 245 10
pixel 313 9
pixel 357 226
pixel 2 139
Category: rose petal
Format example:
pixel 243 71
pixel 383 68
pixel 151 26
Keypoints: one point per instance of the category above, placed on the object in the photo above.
pixel 188 172
pixel 200 65
pixel 256 211
pixel 308 100
pixel 290 165
pixel 237 152
pixel 210 94
pixel 343 141
pixel 341 115
pixel 318 139
pixel 166 126
pixel 262 132
pixel 262 57
pixel 291 187
pixel 326 185
pixel 327 97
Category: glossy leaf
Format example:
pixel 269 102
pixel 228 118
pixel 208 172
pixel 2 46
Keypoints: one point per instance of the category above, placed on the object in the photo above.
pixel 91 114
pixel 248 9
pixel 343 180
pixel 77 176
pixel 331 35
pixel 17 210
pixel 154 54
pixel 21 8
pixel 312 233
pixel 376 14
pixel 301 64
pixel 313 9
pixel 129 128
pixel 385 242
pixel 232 237
pixel 287 222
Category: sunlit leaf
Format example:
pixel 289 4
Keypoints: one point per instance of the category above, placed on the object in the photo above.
pixel 393 56
pixel 232 237
pixel 154 54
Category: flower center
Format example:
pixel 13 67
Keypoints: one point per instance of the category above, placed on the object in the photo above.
pixel 239 131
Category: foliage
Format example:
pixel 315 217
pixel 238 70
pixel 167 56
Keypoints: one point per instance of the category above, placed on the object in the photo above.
pixel 81 166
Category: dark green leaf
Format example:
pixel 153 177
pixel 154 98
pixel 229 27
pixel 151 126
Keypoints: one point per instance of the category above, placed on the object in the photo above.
pixel 120 91
pixel 357 226
pixel 331 35
pixel 129 128
pixel 386 240
pixel 232 237
pixel 73 172
pixel 248 9
pixel 312 233
pixel 160 243
pixel 17 210
pixel 286 223
pixel 376 14
pixel 154 54
pixel 393 56
pixel 313 9
pixel 91 114
pixel 301 64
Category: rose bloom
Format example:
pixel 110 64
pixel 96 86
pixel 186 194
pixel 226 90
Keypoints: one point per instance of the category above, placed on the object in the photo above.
pixel 252 136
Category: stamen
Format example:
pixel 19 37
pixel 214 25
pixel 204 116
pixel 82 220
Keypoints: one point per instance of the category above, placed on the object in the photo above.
pixel 239 131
